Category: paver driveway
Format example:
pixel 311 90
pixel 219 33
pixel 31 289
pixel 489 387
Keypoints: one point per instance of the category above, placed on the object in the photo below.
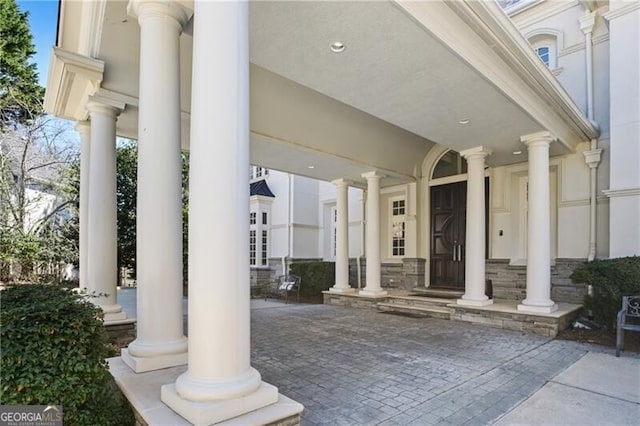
pixel 359 367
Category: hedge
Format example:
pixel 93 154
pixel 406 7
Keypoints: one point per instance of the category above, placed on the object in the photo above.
pixel 611 279
pixel 315 277
pixel 54 347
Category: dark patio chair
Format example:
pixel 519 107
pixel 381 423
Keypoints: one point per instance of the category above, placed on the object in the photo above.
pixel 284 285
pixel 628 319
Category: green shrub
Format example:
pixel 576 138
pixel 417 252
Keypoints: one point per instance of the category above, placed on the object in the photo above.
pixel 611 279
pixel 53 352
pixel 315 276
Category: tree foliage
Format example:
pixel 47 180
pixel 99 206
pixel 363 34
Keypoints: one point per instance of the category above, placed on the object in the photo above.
pixel 126 183
pixel 20 95
pixel 38 198
pixel 53 348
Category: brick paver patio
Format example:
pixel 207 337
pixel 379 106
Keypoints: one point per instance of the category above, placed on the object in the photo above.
pixel 360 367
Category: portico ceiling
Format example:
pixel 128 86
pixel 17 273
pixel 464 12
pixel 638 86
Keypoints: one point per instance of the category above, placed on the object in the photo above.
pixel 410 76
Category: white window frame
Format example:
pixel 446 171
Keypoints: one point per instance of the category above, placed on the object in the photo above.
pixel 258 173
pixel 252 247
pixel 397 227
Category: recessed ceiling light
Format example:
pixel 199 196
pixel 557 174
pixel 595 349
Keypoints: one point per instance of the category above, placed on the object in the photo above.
pixel 337 47
pixel 464 121
pixel 517 152
pixel 311 167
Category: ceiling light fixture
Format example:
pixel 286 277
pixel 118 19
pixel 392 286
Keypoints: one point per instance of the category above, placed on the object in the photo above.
pixel 337 47
pixel 464 121
pixel 517 152
pixel 311 167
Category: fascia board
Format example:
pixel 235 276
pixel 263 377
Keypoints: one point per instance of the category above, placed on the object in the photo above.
pixel 72 78
pixel 484 37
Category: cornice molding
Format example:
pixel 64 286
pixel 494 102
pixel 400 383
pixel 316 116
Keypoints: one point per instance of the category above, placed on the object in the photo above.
pixel 621 11
pixel 544 10
pixel 72 79
pixel 91 24
pixel 490 43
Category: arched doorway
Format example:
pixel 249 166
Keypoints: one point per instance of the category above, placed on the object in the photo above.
pixel 448 212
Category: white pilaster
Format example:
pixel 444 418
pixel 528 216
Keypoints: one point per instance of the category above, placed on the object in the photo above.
pixel 102 231
pixel 84 129
pixel 160 341
pixel 475 244
pixel 219 383
pixel 373 287
pixel 624 149
pixel 342 238
pixel 539 226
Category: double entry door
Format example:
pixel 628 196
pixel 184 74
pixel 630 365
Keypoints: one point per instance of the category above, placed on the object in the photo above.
pixel 448 230
pixel 448 224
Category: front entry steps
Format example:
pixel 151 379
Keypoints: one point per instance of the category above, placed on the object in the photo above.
pixel 431 303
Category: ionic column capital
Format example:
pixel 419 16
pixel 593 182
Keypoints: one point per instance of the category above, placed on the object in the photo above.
pixel 83 127
pixel 146 9
pixel 477 152
pixel 341 182
pixel 104 105
pixel 373 175
pixel 538 139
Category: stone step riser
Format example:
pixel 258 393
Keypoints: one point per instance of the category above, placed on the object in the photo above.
pixel 422 302
pixel 423 312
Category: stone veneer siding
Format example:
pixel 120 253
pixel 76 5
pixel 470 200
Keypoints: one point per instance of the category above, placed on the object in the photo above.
pixel 510 281
pixel 406 275
pixel 120 335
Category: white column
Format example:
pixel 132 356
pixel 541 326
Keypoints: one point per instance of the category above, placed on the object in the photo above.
pixel 219 383
pixel 160 341
pixel 539 226
pixel 84 129
pixel 475 244
pixel 373 288
pixel 102 276
pixel 342 238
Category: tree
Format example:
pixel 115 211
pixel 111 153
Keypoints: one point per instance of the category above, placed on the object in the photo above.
pixel 37 198
pixel 127 167
pixel 20 95
pixel 126 183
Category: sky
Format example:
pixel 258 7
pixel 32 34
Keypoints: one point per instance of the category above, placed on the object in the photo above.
pixel 43 19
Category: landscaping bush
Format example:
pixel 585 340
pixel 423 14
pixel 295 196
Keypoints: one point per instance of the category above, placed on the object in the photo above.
pixel 53 347
pixel 315 276
pixel 611 279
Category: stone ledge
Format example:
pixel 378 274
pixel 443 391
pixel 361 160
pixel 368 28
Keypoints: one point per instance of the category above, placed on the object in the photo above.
pixel 143 392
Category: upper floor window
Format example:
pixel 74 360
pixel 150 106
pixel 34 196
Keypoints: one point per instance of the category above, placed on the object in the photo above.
pixel 252 218
pixel 545 42
pixel 257 172
pixel 544 54
pixel 450 164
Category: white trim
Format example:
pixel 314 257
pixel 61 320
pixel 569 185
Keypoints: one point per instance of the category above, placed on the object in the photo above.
pixel 628 8
pixel 624 192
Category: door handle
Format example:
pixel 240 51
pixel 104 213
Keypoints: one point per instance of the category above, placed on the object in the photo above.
pixel 455 251
pixel 459 252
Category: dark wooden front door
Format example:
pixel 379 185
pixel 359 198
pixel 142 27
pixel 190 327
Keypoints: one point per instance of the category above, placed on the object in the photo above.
pixel 448 221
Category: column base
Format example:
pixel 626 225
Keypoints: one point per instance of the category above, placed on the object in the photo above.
pixel 341 289
pixel 372 293
pixel 537 309
pixel 142 364
pixel 206 413
pixel 474 302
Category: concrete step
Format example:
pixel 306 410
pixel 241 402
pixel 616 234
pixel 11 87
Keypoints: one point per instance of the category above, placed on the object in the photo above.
pixel 420 301
pixel 433 312
pixel 438 293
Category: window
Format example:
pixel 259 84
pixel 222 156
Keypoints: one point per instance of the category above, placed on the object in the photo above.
pixel 252 218
pixel 544 54
pixel 264 248
pixel 450 164
pixel 264 218
pixel 252 247
pixel 334 230
pixel 546 42
pixel 257 172
pixel 398 240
